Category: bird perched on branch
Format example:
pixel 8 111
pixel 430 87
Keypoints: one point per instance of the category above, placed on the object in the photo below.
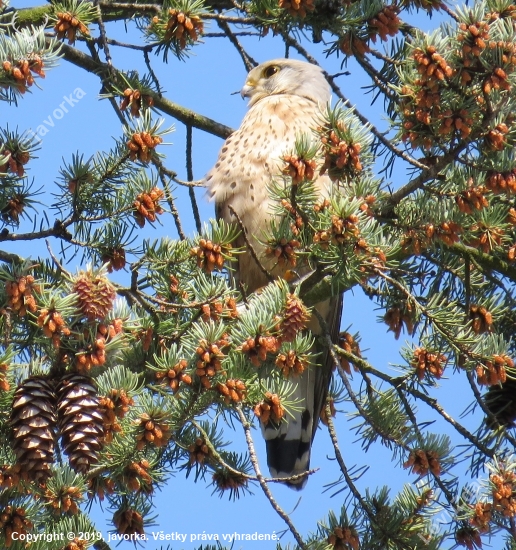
pixel 285 100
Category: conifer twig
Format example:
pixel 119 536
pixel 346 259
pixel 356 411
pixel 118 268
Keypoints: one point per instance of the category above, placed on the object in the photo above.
pixel 189 175
pixel 250 247
pixel 437 480
pixel 151 71
pixel 343 468
pixel 216 455
pixel 261 480
pixel 363 413
pixel 56 261
pixel 171 202
pixel 187 116
pixel 10 258
pixel 103 35
pixel 248 61
pixel 130 6
pixel 363 365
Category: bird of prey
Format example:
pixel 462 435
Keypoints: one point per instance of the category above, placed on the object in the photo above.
pixel 286 98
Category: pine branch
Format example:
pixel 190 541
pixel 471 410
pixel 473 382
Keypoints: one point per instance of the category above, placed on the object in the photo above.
pixel 171 202
pixel 103 35
pixel 106 76
pixel 343 376
pixel 486 261
pixel 402 383
pixel 59 230
pixel 343 468
pixel 427 174
pixel 153 75
pixel 10 258
pixel 439 326
pixel 437 480
pixel 216 455
pixel 176 111
pixel 189 175
pixel 112 11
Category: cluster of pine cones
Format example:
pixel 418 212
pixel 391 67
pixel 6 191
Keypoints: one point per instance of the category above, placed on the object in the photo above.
pixel 43 410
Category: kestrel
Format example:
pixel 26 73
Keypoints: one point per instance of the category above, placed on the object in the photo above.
pixel 286 98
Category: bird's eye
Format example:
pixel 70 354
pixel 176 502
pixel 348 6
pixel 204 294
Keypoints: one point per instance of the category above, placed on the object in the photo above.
pixel 271 70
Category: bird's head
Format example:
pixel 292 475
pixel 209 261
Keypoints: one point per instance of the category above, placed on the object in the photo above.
pixel 286 76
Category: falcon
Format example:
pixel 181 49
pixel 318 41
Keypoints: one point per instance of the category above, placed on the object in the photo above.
pixel 286 98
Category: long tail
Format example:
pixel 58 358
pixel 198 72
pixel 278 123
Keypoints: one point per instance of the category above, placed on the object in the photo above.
pixel 289 443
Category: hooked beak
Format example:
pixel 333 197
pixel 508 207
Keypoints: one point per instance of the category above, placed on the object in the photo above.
pixel 248 88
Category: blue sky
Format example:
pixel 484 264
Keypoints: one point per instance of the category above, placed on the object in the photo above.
pixel 205 83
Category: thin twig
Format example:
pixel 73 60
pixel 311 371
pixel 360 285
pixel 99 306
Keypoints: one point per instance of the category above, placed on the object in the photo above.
pixel 449 496
pixel 105 84
pixel 379 82
pixel 215 454
pixel 250 247
pixel 112 42
pixel 224 464
pixel 261 480
pixel 171 203
pixel 132 297
pixel 419 181
pixel 58 230
pixel 151 72
pixel 433 403
pixel 196 183
pixel 347 385
pixel 385 58
pixel 131 7
pixel 342 465
pixel 103 35
pixel 191 305
pixel 232 19
pixel 437 480
pixel 450 12
pixel 249 62
pixel 439 326
pixel 224 35
pixel 189 175
pixel 56 261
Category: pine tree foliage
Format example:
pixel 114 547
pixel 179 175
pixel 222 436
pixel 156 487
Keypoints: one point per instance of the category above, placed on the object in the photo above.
pixel 125 359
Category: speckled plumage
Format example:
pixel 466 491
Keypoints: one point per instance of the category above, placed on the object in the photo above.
pixel 281 106
pixel 248 162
